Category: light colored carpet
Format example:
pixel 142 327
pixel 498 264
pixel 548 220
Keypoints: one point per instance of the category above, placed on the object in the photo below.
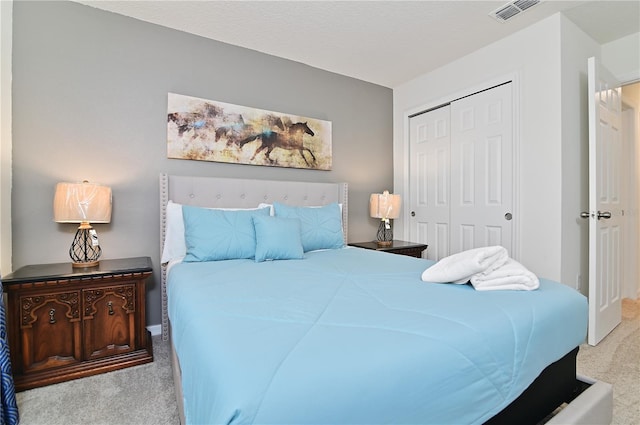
pixel 138 395
pixel 616 360
pixel 144 394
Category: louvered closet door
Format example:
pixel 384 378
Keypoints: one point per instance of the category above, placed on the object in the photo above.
pixel 430 173
pixel 481 170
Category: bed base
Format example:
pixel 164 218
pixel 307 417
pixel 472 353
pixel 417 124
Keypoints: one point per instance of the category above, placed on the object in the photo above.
pixel 593 406
pixel 557 385
pixel 587 401
pixel 177 379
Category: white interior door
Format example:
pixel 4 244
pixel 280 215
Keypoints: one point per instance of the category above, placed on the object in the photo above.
pixel 429 180
pixel 481 170
pixel 605 210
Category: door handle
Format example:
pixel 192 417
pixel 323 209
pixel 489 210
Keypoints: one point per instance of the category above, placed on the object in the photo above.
pixel 606 215
pixel 585 214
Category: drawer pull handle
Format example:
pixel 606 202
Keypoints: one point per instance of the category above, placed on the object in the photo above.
pixel 52 313
pixel 110 306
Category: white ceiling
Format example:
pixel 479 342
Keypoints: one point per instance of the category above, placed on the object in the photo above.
pixel 383 42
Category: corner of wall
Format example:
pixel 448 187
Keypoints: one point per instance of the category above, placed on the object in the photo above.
pixel 577 47
pixel 6 37
pixel 622 58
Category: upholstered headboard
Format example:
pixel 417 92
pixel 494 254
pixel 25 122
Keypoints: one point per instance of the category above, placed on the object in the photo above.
pixel 216 192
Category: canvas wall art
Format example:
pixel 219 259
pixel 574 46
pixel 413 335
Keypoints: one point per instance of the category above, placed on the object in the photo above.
pixel 207 130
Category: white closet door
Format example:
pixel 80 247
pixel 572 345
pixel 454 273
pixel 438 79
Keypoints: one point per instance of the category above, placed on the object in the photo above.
pixel 429 181
pixel 481 170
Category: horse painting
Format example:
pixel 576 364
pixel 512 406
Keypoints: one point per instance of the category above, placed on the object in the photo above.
pixel 235 132
pixel 186 121
pixel 206 130
pixel 292 140
pixel 200 121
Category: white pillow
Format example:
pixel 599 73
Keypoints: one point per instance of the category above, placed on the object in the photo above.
pixel 175 246
pixel 263 205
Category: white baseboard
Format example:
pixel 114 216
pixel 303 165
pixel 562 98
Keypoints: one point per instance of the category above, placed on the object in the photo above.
pixel 155 329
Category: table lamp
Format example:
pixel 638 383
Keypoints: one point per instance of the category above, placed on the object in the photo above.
pixel 83 203
pixel 384 206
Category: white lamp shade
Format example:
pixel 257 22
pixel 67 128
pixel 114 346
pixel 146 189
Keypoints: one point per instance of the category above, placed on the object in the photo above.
pixel 384 205
pixel 82 202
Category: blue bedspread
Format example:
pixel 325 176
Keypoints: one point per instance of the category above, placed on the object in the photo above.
pixel 354 336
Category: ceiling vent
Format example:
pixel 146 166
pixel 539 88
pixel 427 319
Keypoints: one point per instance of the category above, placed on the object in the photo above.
pixel 510 10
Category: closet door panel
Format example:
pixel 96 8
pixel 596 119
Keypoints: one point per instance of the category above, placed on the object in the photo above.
pixel 430 172
pixel 461 174
pixel 481 170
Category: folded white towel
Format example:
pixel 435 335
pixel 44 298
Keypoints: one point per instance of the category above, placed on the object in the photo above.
pixel 458 268
pixel 511 275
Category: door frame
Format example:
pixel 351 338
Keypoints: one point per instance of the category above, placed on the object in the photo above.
pixel 402 224
pixel 631 139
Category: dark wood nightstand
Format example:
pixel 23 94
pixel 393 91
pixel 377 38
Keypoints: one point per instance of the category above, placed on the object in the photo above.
pixel 66 323
pixel 397 247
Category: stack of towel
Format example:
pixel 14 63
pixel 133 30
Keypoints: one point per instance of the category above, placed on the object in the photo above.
pixel 488 269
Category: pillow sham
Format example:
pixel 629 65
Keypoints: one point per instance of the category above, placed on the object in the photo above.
pixel 277 238
pixel 174 246
pixel 321 227
pixel 214 234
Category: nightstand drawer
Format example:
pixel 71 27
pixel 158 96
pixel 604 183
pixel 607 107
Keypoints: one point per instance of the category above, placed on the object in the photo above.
pixel 109 317
pixel 50 328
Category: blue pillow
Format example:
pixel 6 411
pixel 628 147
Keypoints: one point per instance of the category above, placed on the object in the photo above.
pixel 277 238
pixel 321 226
pixel 212 234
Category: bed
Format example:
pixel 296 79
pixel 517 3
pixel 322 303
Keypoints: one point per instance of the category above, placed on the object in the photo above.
pixel 347 335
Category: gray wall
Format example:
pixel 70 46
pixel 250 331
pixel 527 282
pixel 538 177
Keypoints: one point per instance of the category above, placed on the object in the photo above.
pixel 90 102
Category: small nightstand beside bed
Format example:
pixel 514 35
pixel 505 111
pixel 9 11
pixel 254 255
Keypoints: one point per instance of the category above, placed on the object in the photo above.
pixel 349 335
